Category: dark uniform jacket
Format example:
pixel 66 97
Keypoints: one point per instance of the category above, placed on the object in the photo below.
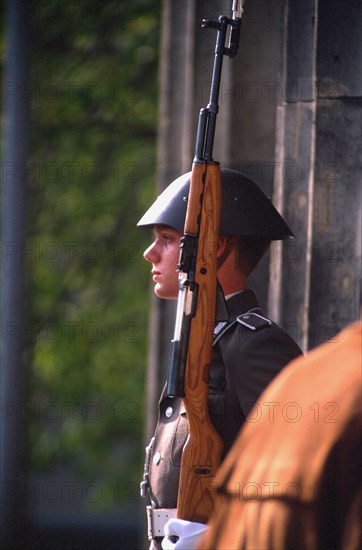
pixel 298 478
pixel 248 352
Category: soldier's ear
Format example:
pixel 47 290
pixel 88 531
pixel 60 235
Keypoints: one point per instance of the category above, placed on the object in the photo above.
pixel 222 243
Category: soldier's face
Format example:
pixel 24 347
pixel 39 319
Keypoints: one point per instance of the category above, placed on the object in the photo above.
pixel 164 254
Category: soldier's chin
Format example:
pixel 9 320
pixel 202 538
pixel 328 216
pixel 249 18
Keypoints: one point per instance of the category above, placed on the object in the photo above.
pixel 163 293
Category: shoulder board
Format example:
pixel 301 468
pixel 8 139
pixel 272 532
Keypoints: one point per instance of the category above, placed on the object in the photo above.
pixel 253 321
pixel 250 320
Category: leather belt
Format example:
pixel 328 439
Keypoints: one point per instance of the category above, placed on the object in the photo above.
pixel 156 520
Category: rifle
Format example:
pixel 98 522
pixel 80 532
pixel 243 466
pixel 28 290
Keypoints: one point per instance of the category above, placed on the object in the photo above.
pixel 191 347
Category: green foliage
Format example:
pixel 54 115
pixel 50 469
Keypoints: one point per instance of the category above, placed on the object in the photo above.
pixel 91 175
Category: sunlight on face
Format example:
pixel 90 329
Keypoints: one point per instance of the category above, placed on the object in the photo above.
pixel 164 254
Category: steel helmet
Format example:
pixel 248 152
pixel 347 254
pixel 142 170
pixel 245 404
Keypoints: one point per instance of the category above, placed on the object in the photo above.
pixel 245 209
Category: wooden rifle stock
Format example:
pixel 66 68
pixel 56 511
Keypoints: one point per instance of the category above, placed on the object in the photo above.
pixel 191 351
pixel 202 453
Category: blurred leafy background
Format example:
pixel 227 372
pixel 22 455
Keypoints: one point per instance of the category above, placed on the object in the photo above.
pixel 91 174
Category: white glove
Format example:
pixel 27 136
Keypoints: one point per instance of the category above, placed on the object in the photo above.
pixel 187 533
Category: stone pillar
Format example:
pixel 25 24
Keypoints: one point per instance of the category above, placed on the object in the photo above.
pixel 315 279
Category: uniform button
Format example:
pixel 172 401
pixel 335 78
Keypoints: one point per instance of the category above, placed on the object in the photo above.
pixel 168 412
pixel 156 458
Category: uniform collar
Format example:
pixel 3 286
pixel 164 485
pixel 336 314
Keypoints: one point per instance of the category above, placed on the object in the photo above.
pixel 240 303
